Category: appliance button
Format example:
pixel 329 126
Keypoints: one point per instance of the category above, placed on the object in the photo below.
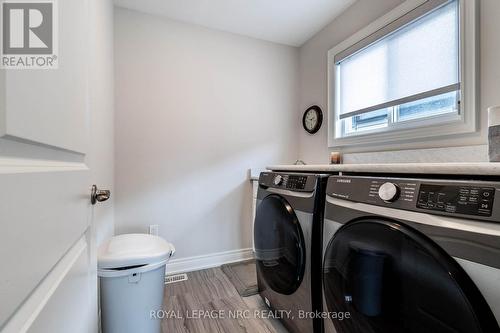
pixel 450 208
pixel 485 205
pixel 389 192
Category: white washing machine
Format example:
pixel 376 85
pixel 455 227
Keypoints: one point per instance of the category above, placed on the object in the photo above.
pixel 411 255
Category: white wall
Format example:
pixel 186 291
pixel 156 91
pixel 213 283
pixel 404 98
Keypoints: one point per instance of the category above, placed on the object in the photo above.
pixel 195 109
pixel 101 90
pixel 101 103
pixel 313 82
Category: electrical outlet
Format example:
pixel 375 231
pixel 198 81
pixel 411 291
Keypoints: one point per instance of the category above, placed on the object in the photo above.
pixel 153 229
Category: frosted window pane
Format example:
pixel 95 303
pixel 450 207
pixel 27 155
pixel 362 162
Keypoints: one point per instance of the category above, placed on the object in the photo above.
pixel 427 107
pixel 367 122
pixel 421 57
pixel 363 79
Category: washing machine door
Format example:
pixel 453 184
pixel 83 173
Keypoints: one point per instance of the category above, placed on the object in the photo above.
pixel 279 245
pixel 391 278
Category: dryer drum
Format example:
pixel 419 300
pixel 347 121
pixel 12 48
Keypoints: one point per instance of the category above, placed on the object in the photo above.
pixel 393 279
pixel 279 245
pixel 366 272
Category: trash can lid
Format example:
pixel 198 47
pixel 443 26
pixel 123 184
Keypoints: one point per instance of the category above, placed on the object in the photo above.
pixel 133 250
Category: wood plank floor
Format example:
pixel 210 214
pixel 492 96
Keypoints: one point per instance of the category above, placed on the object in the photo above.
pixel 210 293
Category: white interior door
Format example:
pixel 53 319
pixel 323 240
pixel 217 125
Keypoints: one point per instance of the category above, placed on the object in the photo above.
pixel 47 281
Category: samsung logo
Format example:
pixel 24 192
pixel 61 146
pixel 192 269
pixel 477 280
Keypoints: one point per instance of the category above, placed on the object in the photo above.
pixel 345 181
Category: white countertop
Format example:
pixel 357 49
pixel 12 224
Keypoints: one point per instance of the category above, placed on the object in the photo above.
pixel 254 173
pixel 480 168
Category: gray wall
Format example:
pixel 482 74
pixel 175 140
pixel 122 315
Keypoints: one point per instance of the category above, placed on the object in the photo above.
pixel 195 108
pixel 313 75
pixel 101 89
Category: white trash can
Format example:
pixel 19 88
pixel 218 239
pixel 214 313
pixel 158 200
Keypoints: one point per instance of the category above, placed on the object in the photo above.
pixel 131 270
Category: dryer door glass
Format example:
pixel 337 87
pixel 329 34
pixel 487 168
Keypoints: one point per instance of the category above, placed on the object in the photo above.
pixel 279 245
pixel 393 279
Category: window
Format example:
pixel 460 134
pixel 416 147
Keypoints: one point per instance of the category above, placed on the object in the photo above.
pixel 404 78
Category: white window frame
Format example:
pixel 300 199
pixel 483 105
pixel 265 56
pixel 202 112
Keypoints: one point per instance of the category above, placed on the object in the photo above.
pixel 406 132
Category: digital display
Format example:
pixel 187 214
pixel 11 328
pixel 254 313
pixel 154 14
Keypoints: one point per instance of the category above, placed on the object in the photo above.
pixel 296 182
pixel 467 200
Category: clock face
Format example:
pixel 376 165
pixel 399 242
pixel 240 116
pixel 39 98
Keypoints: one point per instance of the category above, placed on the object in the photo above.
pixel 312 119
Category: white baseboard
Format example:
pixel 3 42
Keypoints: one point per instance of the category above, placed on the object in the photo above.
pixel 196 263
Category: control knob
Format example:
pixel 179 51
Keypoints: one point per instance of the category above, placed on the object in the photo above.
pixel 278 180
pixel 388 192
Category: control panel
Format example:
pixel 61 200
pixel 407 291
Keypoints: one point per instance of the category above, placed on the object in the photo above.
pixel 292 182
pixel 475 199
pixel 296 182
pixel 393 190
pixel 468 200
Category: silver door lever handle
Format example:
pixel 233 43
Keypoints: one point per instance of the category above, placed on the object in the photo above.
pixel 97 195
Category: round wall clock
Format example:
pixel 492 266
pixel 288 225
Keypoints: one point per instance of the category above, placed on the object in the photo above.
pixel 312 119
